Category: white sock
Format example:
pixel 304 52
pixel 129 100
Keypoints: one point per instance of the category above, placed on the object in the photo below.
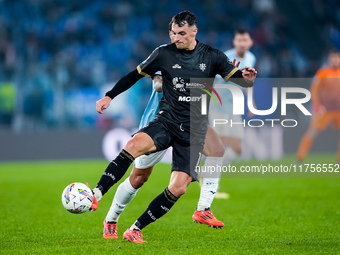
pixel 209 185
pixel 97 194
pixel 124 194
pixel 134 227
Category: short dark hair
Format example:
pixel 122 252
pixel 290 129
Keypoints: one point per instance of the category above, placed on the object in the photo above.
pixel 170 24
pixel 183 17
pixel 241 31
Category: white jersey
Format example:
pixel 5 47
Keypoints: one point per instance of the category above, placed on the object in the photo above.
pixel 152 108
pixel 249 59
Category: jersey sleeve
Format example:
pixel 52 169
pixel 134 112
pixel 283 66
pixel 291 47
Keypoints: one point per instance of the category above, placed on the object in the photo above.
pixel 150 65
pixel 224 66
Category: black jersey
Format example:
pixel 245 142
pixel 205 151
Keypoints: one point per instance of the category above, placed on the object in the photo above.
pixel 179 68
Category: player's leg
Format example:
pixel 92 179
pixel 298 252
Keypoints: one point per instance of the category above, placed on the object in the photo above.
pixel 180 179
pixel 231 137
pixel 148 139
pixel 160 205
pixel 213 146
pixel 123 196
pixel 128 189
pixel 140 144
pixel 214 150
pixel 232 140
pixel 318 123
pixel 233 149
pixel 306 143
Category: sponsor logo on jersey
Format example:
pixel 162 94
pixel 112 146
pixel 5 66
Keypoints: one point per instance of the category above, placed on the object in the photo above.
pixel 178 83
pixel 188 99
pixel 176 66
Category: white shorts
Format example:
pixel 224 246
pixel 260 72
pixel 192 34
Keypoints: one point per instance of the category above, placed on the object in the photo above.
pixel 146 161
pixel 224 128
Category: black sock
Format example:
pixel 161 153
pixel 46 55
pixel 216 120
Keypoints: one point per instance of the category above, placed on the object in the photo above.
pixel 115 171
pixel 157 208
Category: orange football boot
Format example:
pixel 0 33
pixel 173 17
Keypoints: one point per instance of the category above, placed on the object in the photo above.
pixel 134 236
pixel 110 230
pixel 208 218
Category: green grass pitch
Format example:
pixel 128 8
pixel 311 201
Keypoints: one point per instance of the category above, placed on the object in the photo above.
pixel 262 215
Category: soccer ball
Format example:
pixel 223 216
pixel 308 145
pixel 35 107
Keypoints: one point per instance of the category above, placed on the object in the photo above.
pixel 77 198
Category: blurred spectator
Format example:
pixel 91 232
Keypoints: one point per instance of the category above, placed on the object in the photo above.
pixel 51 49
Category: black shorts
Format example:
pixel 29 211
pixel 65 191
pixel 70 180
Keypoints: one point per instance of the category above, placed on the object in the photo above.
pixel 186 156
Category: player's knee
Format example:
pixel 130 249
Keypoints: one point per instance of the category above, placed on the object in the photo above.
pixel 138 181
pixel 131 145
pixel 178 190
pixel 134 148
pixel 214 151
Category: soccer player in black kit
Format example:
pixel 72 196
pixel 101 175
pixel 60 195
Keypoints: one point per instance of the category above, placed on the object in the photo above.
pixel 174 124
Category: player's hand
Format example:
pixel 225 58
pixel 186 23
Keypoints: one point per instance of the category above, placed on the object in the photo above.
pixel 236 64
pixel 249 74
pixel 102 104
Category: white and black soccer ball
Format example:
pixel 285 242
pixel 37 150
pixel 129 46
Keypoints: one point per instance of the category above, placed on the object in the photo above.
pixel 77 198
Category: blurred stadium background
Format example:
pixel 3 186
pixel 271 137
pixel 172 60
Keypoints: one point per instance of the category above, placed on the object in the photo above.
pixel 58 57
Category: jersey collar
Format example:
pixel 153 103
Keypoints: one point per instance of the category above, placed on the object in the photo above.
pixel 190 51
